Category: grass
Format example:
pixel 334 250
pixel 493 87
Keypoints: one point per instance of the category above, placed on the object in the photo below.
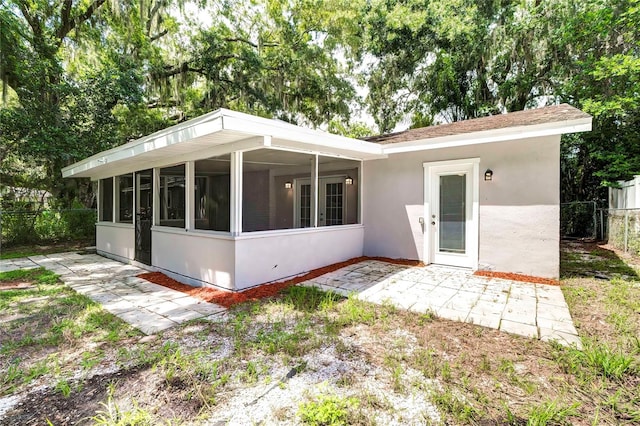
pixel 18 251
pixel 358 363
pixel 50 316
pixel 328 410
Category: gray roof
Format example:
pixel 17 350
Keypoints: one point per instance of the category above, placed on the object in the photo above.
pixel 530 117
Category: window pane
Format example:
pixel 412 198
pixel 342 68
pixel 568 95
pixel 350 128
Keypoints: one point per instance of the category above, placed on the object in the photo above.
pixel 452 213
pixel 212 193
pixel 106 200
pixel 125 200
pixel 276 190
pixel 172 196
pixel 338 201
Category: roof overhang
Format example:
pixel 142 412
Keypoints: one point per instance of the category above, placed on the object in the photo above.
pixel 494 135
pixel 217 133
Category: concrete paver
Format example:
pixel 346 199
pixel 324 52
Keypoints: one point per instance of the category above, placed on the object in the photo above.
pixel 147 306
pixel 533 310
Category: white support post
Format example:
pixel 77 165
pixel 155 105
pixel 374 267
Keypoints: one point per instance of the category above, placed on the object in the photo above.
pixel 156 196
pixel 236 193
pixel 360 192
pixel 314 191
pixel 113 202
pixel 189 197
pixel 116 199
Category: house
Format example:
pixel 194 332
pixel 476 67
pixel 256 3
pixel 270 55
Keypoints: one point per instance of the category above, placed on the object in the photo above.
pixel 232 200
pixel 626 196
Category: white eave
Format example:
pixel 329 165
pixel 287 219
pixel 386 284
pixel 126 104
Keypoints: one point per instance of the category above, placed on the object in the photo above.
pixel 493 135
pixel 217 133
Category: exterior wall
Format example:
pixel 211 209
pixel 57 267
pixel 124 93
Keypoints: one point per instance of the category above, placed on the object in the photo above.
pixel 116 240
pixel 519 208
pixel 269 257
pixel 627 196
pixel 196 258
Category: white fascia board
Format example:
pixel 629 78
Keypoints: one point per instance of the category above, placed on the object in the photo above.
pixel 201 126
pixel 487 136
pixel 302 136
pixel 214 151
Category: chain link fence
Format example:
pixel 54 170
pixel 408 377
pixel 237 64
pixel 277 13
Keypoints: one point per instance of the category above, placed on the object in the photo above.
pixel 583 219
pixel 624 230
pixel 39 226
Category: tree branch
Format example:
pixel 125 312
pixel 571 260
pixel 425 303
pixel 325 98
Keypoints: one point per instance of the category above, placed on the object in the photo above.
pixel 68 24
pixel 159 35
pixel 33 22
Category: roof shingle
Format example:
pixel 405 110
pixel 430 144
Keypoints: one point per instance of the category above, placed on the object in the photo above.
pixel 530 117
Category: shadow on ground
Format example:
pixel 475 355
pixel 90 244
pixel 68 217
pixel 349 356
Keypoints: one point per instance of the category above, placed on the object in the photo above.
pixel 594 260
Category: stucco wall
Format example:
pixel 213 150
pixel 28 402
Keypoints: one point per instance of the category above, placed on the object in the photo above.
pixel 519 208
pixel 116 240
pixel 204 258
pixel 265 258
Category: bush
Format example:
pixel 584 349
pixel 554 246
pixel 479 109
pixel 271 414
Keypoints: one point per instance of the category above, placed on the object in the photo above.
pixel 33 227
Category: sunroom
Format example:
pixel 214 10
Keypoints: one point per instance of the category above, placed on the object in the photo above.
pixel 230 200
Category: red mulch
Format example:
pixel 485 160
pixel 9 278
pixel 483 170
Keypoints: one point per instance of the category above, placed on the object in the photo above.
pixel 517 277
pixel 230 298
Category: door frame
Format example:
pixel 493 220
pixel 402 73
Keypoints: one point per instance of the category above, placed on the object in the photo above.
pixel 140 255
pixel 321 201
pixel 467 165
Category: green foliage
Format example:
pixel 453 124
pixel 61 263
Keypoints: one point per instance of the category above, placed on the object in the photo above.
pixel 113 414
pixel 27 227
pixel 597 359
pixel 310 299
pixel 551 413
pixel 327 410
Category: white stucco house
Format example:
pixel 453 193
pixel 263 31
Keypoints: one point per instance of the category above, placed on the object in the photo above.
pixel 233 201
pixel 626 196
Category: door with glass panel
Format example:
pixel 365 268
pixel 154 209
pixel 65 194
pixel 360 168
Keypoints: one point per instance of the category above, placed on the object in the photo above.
pixel 144 215
pixel 331 202
pixel 451 216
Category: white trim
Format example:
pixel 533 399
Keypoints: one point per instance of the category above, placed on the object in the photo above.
pixel 189 196
pixel 473 230
pixel 113 200
pixel 282 232
pixel 220 235
pixel 236 127
pixel 235 219
pixel 315 185
pixel 116 225
pixel 487 136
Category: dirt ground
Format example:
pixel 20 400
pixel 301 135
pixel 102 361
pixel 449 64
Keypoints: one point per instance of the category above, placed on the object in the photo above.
pixel 306 357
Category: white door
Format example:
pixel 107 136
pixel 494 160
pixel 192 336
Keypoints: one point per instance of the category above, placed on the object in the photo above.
pixel 451 212
pixel 331 201
pixel 332 205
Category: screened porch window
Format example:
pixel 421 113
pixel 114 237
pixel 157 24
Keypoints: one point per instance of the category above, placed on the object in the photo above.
pixel 269 190
pixel 125 198
pixel 172 196
pixel 106 200
pixel 279 190
pixel 213 193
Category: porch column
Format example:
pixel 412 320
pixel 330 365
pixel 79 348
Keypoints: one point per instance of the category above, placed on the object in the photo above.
pixel 235 224
pixel 113 204
pixel 190 176
pixel 314 191
pixel 155 206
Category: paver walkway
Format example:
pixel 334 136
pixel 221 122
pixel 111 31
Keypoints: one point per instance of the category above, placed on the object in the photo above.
pixel 532 310
pixel 146 306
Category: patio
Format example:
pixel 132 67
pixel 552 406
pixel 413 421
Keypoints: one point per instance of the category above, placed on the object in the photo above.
pixel 146 306
pixel 532 310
